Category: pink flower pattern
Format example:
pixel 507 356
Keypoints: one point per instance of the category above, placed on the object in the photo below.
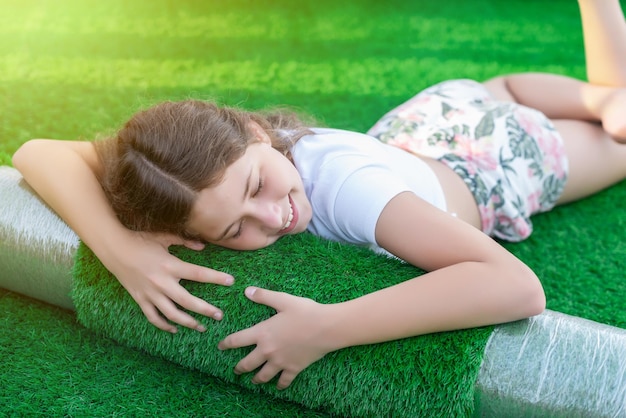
pixel 511 156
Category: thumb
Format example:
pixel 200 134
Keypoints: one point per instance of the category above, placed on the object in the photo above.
pixel 193 244
pixel 276 300
pixel 169 239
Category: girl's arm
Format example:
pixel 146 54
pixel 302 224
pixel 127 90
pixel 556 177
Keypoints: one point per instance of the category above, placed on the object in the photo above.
pixel 472 282
pixel 64 174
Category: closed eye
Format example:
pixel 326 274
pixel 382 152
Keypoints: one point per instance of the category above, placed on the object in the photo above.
pixel 259 187
pixel 257 191
pixel 239 230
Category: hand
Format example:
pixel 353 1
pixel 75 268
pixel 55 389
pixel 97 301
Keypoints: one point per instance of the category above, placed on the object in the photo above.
pixel 151 275
pixel 287 342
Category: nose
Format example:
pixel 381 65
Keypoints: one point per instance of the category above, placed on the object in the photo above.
pixel 270 214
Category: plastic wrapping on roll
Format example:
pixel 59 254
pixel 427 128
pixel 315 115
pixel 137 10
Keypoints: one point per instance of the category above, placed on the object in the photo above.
pixel 36 247
pixel 553 365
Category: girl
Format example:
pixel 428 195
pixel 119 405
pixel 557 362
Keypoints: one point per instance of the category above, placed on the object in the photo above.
pixel 435 177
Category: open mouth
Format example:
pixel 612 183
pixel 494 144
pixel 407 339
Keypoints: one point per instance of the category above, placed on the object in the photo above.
pixel 292 219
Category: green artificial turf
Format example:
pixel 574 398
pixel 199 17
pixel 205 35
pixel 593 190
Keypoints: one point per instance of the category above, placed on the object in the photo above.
pixel 52 367
pixel 431 376
pixel 74 69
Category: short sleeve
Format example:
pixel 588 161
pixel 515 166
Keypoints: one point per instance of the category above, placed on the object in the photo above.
pixel 348 206
pixel 349 178
pixel 361 200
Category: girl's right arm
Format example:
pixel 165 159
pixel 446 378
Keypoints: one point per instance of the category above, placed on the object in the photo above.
pixel 472 282
pixel 65 175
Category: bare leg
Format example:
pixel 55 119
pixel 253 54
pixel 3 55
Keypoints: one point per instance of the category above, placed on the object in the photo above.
pixel 596 160
pixel 603 99
pixel 560 97
pixel 557 96
pixel 604 31
pixel 590 116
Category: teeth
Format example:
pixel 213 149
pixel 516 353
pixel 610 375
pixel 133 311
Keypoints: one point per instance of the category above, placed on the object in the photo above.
pixel 289 218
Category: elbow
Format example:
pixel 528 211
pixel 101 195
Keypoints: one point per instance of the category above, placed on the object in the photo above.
pixel 520 295
pixel 531 298
pixel 18 157
pixel 25 155
pixel 536 302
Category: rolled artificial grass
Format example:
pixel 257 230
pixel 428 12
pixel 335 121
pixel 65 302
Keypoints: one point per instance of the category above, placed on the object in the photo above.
pixel 431 375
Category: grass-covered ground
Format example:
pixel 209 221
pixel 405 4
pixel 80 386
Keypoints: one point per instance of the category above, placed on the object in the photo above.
pixel 76 70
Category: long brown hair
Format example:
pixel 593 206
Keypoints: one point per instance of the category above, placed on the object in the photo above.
pixel 163 156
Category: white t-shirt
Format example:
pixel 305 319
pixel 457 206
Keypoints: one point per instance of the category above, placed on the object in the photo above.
pixel 349 178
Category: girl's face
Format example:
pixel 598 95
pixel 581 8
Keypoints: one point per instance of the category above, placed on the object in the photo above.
pixel 260 199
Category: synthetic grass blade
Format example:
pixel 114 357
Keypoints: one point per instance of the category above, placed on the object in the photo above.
pixel 432 375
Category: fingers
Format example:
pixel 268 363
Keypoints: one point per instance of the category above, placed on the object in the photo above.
pixel 172 239
pixel 286 378
pixel 152 277
pixel 166 239
pixel 156 319
pixel 267 373
pixel 239 339
pixel 189 302
pixel 201 274
pixel 277 300
pixel 159 311
pixel 186 300
pixel 177 316
pixel 249 336
pixel 251 362
pixel 268 370
pixel 171 294
pixel 193 245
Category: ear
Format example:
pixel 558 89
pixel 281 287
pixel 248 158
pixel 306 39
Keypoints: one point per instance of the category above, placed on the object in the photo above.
pixel 259 133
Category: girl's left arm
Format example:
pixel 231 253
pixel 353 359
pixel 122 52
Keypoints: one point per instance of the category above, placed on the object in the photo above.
pixel 472 281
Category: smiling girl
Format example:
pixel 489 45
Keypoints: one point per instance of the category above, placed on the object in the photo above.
pixel 430 183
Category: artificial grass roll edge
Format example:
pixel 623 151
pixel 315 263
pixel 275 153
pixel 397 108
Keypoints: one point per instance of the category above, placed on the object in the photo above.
pixel 431 375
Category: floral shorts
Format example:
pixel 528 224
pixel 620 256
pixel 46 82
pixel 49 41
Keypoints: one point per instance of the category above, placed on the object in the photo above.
pixel 510 156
